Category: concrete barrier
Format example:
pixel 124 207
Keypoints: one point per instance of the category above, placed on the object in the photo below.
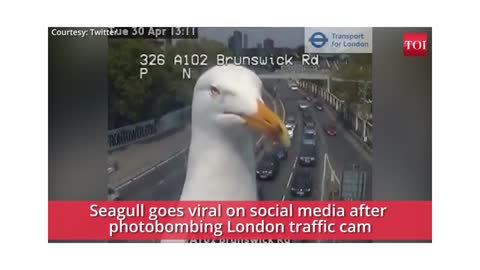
pixel 171 122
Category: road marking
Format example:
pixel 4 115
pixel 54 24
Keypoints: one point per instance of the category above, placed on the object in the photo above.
pixel 283 197
pixel 172 157
pixel 291 172
pixel 143 173
pixel 124 184
pixel 283 108
pixel 322 197
pixel 151 169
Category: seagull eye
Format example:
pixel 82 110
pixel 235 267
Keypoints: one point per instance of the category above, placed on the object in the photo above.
pixel 214 91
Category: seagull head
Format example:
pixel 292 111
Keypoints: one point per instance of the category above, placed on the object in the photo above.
pixel 231 96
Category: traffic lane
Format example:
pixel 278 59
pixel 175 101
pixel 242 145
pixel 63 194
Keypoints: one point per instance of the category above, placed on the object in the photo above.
pixel 272 189
pixel 275 189
pixel 341 152
pixel 132 159
pixel 168 188
pixel 315 170
pixel 290 100
pixel 285 92
pixel 145 187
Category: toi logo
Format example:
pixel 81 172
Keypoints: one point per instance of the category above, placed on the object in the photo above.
pixel 414 44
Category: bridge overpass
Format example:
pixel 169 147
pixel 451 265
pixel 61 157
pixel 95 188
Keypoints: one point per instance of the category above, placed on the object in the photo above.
pixel 303 75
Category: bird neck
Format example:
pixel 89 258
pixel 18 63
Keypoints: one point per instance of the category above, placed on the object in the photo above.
pixel 221 165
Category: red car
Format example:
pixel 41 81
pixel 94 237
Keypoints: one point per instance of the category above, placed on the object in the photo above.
pixel 330 130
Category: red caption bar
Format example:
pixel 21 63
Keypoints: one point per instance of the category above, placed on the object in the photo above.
pixel 211 220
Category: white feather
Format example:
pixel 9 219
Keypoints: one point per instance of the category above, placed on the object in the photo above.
pixel 221 160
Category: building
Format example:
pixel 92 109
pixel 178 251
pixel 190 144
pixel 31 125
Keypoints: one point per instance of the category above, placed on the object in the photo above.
pixel 268 45
pixel 231 45
pixel 245 41
pixel 235 43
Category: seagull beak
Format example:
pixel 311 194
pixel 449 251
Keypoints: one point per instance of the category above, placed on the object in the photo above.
pixel 267 122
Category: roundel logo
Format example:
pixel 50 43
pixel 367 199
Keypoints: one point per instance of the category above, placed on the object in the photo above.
pixel 318 39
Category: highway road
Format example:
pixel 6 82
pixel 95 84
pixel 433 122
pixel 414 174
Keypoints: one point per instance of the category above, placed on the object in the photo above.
pixel 166 181
pixel 342 150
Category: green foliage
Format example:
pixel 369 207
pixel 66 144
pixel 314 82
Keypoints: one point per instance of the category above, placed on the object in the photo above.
pixel 358 68
pixel 347 91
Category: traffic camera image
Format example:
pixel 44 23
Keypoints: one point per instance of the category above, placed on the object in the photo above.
pixel 231 114
pixel 323 100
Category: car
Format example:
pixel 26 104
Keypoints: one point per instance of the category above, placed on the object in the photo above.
pixel 309 130
pixel 309 124
pixel 330 130
pixel 308 155
pixel 307 118
pixel 306 114
pixel 280 152
pixel 294 87
pixel 302 105
pixel 291 119
pixel 301 182
pixel 112 194
pixel 309 139
pixel 290 130
pixel 267 168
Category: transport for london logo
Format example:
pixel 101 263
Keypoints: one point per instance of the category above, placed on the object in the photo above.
pixel 318 39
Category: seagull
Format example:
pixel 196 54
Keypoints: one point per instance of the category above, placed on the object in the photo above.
pixel 227 107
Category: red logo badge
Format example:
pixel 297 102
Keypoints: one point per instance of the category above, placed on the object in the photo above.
pixel 415 44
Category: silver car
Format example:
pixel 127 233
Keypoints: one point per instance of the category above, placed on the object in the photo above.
pixel 309 139
pixel 290 130
pixel 309 130
pixel 303 105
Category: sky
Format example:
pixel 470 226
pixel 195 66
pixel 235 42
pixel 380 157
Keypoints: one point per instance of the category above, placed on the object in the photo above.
pixel 283 36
